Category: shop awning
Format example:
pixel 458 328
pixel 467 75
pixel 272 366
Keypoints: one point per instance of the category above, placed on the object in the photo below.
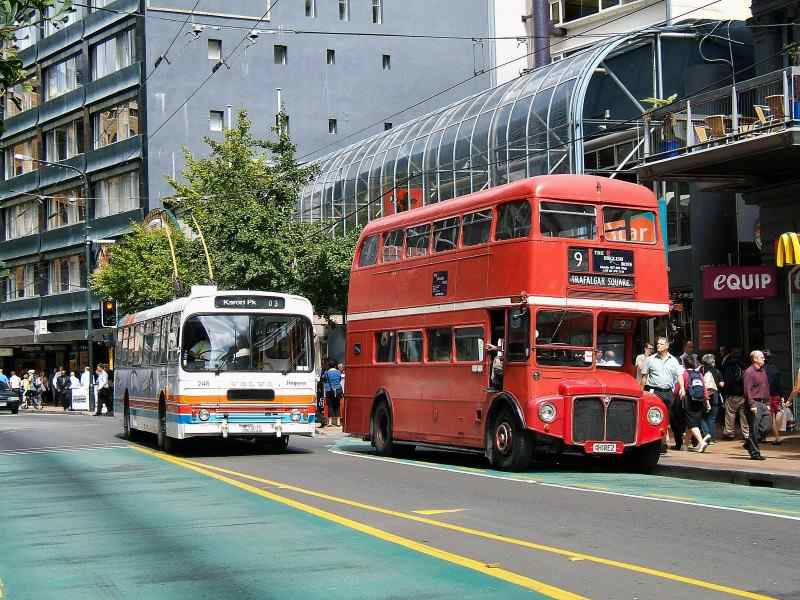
pixel 788 252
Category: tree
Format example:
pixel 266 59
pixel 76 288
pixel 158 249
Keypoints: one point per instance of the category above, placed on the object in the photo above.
pixel 140 273
pixel 14 15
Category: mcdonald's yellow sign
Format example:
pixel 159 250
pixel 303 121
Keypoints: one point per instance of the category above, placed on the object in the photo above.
pixel 788 249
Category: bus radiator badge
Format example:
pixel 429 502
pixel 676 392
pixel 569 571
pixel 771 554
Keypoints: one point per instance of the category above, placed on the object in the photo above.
pixel 606 400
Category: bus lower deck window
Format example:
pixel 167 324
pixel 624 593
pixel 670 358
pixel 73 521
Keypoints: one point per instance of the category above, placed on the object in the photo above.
pixel 440 344
pixel 469 344
pixel 385 344
pixel 564 338
pixel 410 346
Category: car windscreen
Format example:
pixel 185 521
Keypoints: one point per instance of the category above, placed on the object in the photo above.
pixel 230 342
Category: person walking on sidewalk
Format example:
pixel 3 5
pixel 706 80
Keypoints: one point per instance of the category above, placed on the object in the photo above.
pixel 712 379
pixel 103 392
pixel 3 378
pixel 776 398
pixel 756 391
pixel 732 376
pixel 333 392
pixel 15 383
pixel 695 402
pixel 62 389
pixel 641 359
pixel 660 374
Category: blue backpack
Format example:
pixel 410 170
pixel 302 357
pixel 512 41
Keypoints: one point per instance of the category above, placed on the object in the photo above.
pixel 697 387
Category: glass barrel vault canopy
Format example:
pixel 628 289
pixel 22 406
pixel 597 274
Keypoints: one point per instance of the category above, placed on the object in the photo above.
pixel 530 126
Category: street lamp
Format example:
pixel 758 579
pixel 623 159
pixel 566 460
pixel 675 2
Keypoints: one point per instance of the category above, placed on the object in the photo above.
pixel 87 244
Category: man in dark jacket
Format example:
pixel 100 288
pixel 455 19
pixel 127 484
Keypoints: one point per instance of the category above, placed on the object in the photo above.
pixel 732 375
pixel 756 393
pixel 62 389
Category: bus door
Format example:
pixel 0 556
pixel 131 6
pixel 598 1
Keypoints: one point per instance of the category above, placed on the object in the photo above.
pixel 516 352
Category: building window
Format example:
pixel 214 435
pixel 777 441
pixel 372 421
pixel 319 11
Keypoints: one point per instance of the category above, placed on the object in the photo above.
pixel 555 11
pixel 387 62
pixel 311 8
pixel 281 54
pixel 330 56
pixel 333 127
pixel 678 200
pixel 58 18
pixel 26 150
pixel 26 36
pixel 215 120
pixel 387 126
pixel 117 194
pixel 116 123
pixel 62 77
pixel 64 141
pixel 23 96
pixel 576 9
pixel 215 50
pixel 67 274
pixel 377 11
pixel 344 10
pixel 22 219
pixel 66 208
pixel 21 282
pixel 113 54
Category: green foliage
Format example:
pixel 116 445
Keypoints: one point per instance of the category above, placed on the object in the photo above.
pixel 13 14
pixel 140 273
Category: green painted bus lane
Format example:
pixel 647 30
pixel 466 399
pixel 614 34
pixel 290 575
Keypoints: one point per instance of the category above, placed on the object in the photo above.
pixel 116 523
pixel 781 503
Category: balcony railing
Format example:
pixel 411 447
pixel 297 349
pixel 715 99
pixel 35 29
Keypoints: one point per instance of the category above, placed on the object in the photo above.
pixel 753 108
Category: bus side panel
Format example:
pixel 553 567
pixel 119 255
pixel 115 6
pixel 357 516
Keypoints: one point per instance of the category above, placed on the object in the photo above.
pixel 359 392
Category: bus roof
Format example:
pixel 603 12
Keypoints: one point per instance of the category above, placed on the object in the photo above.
pixel 577 188
pixel 203 292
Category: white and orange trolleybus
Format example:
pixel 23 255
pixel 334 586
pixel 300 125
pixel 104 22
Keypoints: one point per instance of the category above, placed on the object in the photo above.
pixel 546 280
pixel 220 364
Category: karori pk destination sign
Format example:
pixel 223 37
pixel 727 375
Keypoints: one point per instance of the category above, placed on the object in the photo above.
pixel 250 302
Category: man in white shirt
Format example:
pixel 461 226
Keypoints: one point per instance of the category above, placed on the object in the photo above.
pixel 103 393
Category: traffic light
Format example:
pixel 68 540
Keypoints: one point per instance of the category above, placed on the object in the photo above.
pixel 108 312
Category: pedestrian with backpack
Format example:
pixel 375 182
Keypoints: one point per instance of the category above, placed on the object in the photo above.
pixel 332 378
pixel 733 376
pixel 695 402
pixel 713 381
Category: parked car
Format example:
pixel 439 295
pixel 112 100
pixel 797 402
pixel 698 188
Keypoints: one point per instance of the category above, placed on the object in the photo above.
pixel 9 399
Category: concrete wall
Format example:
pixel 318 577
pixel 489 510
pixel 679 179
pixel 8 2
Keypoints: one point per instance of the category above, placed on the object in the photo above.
pixel 508 23
pixel 356 91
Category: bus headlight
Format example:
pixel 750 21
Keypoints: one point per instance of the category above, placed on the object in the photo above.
pixel 547 412
pixel 204 414
pixel 655 415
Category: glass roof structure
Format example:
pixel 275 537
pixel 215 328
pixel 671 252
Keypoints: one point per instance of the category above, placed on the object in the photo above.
pixel 533 125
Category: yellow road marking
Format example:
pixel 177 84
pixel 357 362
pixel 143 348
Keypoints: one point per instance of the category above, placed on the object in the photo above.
pixel 438 511
pixel 778 510
pixel 708 585
pixel 590 486
pixel 687 498
pixel 487 569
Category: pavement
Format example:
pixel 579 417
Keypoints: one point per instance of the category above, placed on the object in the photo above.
pixel 726 461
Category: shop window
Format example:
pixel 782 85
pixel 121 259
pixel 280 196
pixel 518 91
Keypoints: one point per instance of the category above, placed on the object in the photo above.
pixel 64 141
pixel 116 123
pixel 113 54
pixel 117 194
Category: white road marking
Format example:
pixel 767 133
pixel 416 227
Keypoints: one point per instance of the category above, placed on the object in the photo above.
pixel 563 486
pixel 53 449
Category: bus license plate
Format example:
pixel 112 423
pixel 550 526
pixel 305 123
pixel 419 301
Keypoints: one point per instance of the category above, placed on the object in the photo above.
pixel 604 448
pixel 2 403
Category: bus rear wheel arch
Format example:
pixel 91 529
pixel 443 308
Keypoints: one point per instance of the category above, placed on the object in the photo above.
pixel 508 444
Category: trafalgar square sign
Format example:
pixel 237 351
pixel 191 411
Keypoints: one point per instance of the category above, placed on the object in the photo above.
pixel 720 283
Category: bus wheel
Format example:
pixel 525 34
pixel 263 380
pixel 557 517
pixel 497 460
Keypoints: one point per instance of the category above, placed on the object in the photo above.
pixel 273 444
pixel 511 447
pixel 382 430
pixel 645 458
pixel 165 443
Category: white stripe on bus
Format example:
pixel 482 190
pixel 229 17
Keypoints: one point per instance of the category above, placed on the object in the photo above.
pixel 499 302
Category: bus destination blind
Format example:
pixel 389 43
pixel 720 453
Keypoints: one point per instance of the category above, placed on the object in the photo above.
pixel 600 267
pixel 250 302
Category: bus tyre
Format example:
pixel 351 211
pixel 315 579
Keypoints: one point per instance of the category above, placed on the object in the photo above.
pixel 382 430
pixel 645 458
pixel 272 444
pixel 511 444
pixel 165 443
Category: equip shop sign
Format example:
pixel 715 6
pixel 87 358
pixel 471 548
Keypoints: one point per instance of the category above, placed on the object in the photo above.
pixel 600 267
pixel 720 283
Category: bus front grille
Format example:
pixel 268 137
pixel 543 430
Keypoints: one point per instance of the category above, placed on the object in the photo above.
pixel 592 421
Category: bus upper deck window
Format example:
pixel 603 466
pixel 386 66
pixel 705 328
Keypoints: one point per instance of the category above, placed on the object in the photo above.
pixel 629 225
pixel 513 220
pixel 563 220
pixel 369 252
pixel 445 235
pixel 393 245
pixel 476 227
pixel 418 240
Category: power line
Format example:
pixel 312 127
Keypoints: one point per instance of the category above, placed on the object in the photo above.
pixel 163 55
pixel 468 79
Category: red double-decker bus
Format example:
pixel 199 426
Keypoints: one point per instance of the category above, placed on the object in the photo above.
pixel 504 322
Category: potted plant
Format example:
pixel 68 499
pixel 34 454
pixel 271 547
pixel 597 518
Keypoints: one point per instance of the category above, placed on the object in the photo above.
pixel 668 122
